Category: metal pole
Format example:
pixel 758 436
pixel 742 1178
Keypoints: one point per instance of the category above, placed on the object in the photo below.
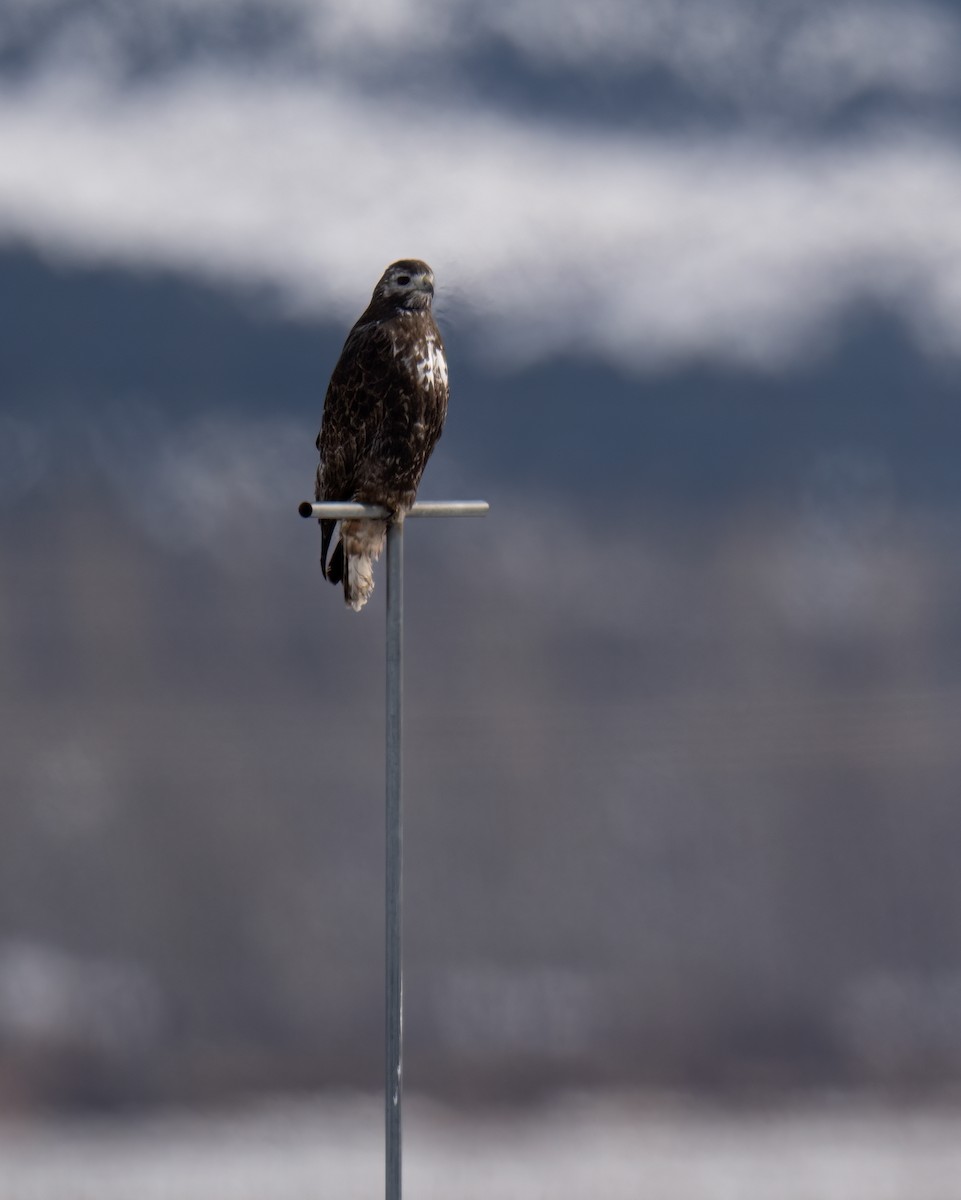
pixel 395 858
pixel 343 510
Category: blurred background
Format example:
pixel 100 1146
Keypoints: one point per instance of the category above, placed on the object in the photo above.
pixel 683 733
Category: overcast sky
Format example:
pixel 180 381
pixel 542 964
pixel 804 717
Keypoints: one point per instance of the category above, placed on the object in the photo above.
pixel 308 143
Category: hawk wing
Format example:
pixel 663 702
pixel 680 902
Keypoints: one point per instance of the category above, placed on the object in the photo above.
pixel 351 415
pixel 383 413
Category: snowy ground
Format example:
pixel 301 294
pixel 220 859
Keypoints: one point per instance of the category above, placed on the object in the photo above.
pixel 575 1149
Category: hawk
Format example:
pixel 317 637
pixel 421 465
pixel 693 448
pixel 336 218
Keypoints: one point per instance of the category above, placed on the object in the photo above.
pixel 383 413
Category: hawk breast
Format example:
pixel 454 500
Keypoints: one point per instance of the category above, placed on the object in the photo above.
pixel 430 364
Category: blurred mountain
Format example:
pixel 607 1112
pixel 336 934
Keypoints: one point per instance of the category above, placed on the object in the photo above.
pixel 682 713
pixel 682 734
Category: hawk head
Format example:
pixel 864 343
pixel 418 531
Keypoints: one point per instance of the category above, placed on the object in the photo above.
pixel 406 284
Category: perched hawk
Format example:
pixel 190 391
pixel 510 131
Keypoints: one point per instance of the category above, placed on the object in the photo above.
pixel 384 411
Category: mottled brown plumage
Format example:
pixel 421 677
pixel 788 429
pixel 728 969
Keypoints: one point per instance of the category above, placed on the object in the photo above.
pixel 383 413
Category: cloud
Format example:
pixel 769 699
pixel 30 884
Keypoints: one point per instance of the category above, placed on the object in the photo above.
pixel 547 236
pixel 748 52
pixel 639 249
pixel 842 51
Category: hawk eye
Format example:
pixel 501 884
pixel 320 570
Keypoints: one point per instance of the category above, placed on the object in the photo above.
pixel 403 279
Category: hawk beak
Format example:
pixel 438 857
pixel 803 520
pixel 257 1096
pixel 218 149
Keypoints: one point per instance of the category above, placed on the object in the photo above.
pixel 427 285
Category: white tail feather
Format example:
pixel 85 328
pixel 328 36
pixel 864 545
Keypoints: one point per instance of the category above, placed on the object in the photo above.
pixel 363 542
pixel 360 580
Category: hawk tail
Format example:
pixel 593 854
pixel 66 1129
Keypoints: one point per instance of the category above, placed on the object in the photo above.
pixel 360 545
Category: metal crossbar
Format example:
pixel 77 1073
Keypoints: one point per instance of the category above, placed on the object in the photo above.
pixel 336 510
pixel 394 976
